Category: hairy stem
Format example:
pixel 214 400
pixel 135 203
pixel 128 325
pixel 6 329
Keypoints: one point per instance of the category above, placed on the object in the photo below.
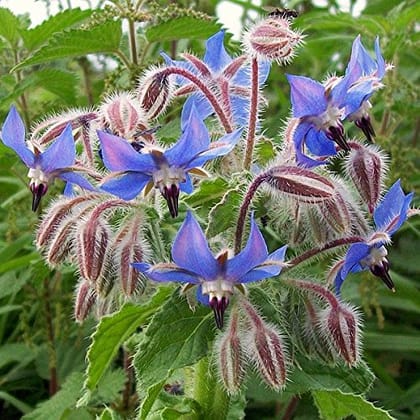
pixel 253 115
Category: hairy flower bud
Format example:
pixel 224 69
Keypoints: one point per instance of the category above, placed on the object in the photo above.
pixel 366 166
pixel 273 39
pixel 301 184
pixel 265 348
pixel 335 214
pixel 85 298
pixel 230 356
pixel 154 92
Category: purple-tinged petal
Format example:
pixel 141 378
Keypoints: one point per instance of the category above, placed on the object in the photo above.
pixel 119 155
pixel 61 153
pixel 381 66
pixel 75 178
pixel 339 279
pixel 191 251
pixel 13 135
pixel 166 273
pixel 355 254
pixel 307 96
pixel 127 186
pixel 68 190
pixel 216 56
pixel 186 186
pixel 299 138
pixel 204 299
pixel 194 140
pixel 357 94
pixel 338 95
pixel 202 106
pixel 243 76
pixel 319 144
pixel 254 253
pixel 219 148
pixel 391 213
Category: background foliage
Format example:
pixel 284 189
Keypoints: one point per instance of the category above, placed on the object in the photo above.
pixel 73 59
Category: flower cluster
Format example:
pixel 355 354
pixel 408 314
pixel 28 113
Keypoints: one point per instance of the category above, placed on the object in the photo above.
pixel 118 168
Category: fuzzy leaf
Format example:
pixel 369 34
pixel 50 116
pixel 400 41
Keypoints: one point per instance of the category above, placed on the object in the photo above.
pixel 34 38
pixel 111 333
pixel 334 405
pixel 9 25
pixel 184 27
pixel 104 38
pixel 175 338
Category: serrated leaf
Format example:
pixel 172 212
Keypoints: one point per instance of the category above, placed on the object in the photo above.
pixel 111 333
pixel 9 25
pixel 208 193
pixel 175 338
pixel 183 27
pixel 333 405
pixel 35 37
pixel 103 38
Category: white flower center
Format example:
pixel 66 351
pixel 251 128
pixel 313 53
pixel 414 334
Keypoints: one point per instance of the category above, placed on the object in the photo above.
pixel 375 257
pixel 167 176
pixel 329 118
pixel 38 177
pixel 217 288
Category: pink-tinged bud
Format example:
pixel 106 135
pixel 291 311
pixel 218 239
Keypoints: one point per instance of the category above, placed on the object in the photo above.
pixel 339 325
pixel 366 166
pixel 301 184
pixel 85 298
pixel 127 248
pixel 230 356
pixel 273 39
pixel 335 213
pixel 154 92
pixel 265 348
pixel 123 116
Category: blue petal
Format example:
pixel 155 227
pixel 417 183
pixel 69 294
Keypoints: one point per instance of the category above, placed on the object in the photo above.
pixel 220 148
pixel 68 190
pixel 127 186
pixel 61 153
pixel 194 140
pixel 240 110
pixel 339 279
pixel 190 250
pixel 119 155
pixel 204 299
pixel 243 76
pixel 202 106
pixel 355 254
pixel 319 144
pixel 216 56
pixel 75 178
pixel 166 274
pixel 254 253
pixel 307 96
pixel 186 186
pixel 13 135
pixel 338 95
pixel 179 80
pixel 357 95
pixel 379 60
pixel 391 213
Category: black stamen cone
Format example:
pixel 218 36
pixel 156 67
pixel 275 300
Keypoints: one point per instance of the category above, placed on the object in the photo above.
pixel 382 271
pixel 219 307
pixel 171 195
pixel 336 134
pixel 366 126
pixel 37 193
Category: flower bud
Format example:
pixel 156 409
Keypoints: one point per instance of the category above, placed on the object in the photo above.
pixel 301 184
pixel 230 356
pixel 154 92
pixel 273 39
pixel 335 213
pixel 265 348
pixel 85 298
pixel 366 167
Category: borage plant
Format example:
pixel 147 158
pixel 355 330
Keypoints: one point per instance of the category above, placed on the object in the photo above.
pixel 271 315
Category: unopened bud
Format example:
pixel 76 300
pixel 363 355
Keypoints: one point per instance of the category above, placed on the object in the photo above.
pixel 301 184
pixel 230 357
pixel 366 166
pixel 154 92
pixel 273 39
pixel 336 214
pixel 85 298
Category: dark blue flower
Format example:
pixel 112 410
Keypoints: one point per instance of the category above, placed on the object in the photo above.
pixel 215 277
pixel 167 170
pixel 222 74
pixel 44 166
pixel 371 255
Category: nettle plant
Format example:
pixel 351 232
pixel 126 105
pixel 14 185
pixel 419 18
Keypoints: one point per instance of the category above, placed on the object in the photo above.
pixel 130 198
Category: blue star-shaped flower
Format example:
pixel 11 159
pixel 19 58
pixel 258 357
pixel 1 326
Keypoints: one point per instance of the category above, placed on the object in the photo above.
pixel 364 76
pixel 389 216
pixel 221 73
pixel 55 162
pixel 167 170
pixel 216 277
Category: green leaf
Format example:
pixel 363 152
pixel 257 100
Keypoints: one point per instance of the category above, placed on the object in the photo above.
pixel 103 38
pixel 9 308
pixel 150 398
pixel 9 26
pixel 184 27
pixel 19 262
pixel 10 250
pixel 111 333
pixel 33 38
pixel 14 352
pixel 208 193
pixel 175 338
pixel 333 405
pixel 391 342
pixel 20 405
